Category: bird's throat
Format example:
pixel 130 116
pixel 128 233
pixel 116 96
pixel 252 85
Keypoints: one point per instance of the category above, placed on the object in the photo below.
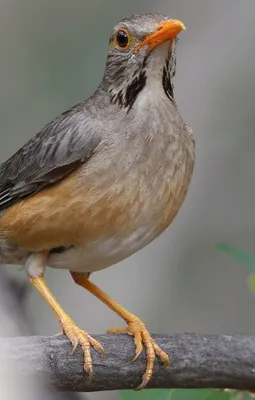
pixel 126 94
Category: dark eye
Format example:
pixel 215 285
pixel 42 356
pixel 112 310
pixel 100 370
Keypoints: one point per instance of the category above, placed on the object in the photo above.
pixel 122 39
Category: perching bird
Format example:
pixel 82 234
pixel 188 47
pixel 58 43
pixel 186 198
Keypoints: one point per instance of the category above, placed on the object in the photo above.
pixel 104 178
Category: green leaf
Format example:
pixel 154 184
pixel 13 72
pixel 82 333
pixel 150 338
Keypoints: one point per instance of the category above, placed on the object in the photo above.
pixel 246 258
pixel 150 394
pixel 251 282
pixel 183 394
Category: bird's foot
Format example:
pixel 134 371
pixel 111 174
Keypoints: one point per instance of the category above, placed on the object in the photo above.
pixel 78 336
pixel 142 338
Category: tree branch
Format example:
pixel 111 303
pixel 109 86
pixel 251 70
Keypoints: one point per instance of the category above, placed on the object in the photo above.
pixel 198 361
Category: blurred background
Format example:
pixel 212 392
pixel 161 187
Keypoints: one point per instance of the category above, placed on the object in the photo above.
pixel 53 56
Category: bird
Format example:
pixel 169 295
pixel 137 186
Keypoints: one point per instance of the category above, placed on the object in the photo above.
pixel 103 179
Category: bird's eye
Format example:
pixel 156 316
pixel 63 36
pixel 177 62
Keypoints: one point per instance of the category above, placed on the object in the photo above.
pixel 122 39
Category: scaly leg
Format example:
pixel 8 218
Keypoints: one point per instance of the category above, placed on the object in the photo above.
pixel 135 328
pixel 69 328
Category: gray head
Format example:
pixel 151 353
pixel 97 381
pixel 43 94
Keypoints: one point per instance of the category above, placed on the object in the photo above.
pixel 141 51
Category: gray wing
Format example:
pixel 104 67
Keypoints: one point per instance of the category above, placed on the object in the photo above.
pixel 63 145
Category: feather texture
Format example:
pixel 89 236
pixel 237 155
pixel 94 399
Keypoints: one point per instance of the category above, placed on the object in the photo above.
pixel 64 144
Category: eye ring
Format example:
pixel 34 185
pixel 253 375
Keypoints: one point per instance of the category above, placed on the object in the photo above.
pixel 122 39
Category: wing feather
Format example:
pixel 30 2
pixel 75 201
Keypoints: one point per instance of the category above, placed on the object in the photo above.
pixel 64 144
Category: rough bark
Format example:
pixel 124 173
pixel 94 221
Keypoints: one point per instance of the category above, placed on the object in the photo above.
pixel 197 361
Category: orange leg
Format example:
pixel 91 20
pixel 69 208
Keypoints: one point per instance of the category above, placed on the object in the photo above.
pixel 75 334
pixel 135 327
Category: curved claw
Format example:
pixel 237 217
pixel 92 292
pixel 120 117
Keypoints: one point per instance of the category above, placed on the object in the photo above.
pixel 91 376
pixel 74 347
pixel 78 336
pixel 142 338
pixel 142 385
pixel 59 334
pixel 138 345
pixel 97 346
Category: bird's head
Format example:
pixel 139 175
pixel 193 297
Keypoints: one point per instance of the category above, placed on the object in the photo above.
pixel 141 52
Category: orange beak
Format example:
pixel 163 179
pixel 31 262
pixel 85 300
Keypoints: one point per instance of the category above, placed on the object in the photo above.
pixel 167 30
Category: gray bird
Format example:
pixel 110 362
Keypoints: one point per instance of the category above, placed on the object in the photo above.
pixel 103 179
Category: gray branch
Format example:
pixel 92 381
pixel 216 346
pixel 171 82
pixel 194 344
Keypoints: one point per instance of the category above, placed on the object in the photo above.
pixel 197 361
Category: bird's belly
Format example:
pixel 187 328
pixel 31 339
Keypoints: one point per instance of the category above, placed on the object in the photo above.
pixel 142 224
pixel 102 252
